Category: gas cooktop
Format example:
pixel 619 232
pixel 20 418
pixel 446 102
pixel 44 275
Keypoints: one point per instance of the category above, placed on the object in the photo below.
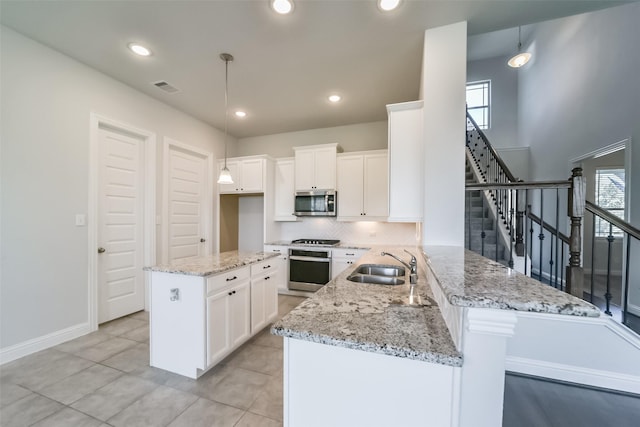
pixel 316 242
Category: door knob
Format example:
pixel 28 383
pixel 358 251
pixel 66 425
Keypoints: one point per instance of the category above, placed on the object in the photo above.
pixel 202 240
pixel 101 250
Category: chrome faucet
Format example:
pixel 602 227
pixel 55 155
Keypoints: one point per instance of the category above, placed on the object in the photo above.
pixel 412 265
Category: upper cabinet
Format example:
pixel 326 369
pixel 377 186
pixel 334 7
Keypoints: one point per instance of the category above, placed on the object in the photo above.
pixel 315 167
pixel 247 174
pixel 363 186
pixel 406 162
pixel 285 190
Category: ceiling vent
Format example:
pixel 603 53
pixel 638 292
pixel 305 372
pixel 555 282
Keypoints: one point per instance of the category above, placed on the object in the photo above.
pixel 167 87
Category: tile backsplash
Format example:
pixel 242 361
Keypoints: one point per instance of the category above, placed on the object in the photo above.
pixel 365 232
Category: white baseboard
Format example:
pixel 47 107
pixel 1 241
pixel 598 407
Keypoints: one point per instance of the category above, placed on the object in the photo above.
pixel 547 275
pixel 602 272
pixel 633 309
pixel 41 343
pixel 574 374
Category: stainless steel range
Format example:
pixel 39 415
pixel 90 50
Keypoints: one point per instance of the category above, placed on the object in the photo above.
pixel 310 267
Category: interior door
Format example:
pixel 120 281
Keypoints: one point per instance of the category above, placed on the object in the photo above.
pixel 187 186
pixel 120 228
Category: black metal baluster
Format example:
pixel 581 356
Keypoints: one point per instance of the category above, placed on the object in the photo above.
pixel 562 287
pixel 607 295
pixel 495 230
pixel 593 254
pixel 469 210
pixel 530 240
pixel 482 234
pixel 511 201
pixel 625 298
pixel 524 233
pixel 541 235
pixel 557 234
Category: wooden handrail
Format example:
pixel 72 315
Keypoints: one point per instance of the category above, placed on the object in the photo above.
pixel 522 185
pixel 611 218
pixel 548 227
pixel 494 153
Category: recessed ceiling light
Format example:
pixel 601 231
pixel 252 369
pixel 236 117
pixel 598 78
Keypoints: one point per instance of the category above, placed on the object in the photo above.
pixel 388 5
pixel 335 98
pixel 282 6
pixel 241 114
pixel 139 49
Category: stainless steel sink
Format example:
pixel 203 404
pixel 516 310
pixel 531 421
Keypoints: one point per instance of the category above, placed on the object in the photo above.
pixel 381 270
pixel 376 280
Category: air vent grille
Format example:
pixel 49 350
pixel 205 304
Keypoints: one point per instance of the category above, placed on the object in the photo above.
pixel 165 86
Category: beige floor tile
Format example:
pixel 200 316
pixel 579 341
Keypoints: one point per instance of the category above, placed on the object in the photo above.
pixel 11 372
pixel 139 334
pixel 68 418
pixel 28 411
pixel 106 349
pixel 78 385
pixel 239 387
pixel 253 420
pixel 122 326
pixel 83 342
pixel 258 358
pixel 38 376
pixel 109 400
pixel 203 386
pixel 140 315
pixel 10 393
pixel 269 400
pixel 205 413
pixel 266 339
pixel 136 357
pixel 157 408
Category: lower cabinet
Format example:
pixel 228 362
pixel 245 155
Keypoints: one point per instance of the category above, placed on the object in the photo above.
pixel 196 321
pixel 341 259
pixel 282 279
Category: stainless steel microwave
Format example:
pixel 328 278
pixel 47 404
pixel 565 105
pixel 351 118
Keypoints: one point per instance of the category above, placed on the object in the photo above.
pixel 315 203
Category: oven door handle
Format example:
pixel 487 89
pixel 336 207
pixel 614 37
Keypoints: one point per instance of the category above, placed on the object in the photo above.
pixel 308 258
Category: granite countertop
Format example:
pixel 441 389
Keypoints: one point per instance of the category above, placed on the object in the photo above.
pixel 213 264
pixel 470 280
pixel 375 318
pixel 340 245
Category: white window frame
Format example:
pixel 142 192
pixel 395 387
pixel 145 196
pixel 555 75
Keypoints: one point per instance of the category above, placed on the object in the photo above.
pixel 486 105
pixel 616 232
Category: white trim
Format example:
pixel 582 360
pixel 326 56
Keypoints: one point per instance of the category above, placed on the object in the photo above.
pixel 31 346
pixel 633 309
pixel 547 275
pixel 149 215
pixel 491 322
pixel 209 179
pixel 574 374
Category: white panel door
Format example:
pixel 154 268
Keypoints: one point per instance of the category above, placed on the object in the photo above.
pixel 186 199
pixel 120 228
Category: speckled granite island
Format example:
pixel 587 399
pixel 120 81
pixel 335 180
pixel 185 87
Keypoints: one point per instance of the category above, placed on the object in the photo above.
pixel 204 308
pixel 386 355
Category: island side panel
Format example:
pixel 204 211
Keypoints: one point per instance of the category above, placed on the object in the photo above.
pixel 334 386
pixel 177 327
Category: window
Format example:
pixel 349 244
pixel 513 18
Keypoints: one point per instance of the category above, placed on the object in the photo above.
pixel 479 102
pixel 610 196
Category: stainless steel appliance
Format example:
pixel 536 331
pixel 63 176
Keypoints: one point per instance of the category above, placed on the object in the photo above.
pixel 310 266
pixel 315 203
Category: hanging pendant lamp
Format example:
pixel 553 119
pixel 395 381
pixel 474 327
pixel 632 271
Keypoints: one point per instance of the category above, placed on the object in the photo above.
pixel 521 58
pixel 225 174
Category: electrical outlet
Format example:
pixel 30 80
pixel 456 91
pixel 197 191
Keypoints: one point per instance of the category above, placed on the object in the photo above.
pixel 81 220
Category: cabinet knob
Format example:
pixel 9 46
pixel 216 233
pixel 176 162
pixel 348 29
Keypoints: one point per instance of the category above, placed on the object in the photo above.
pixel 101 250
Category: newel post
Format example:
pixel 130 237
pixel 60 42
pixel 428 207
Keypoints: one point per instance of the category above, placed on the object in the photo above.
pixel 575 274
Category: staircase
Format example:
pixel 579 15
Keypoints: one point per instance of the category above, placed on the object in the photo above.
pixel 480 226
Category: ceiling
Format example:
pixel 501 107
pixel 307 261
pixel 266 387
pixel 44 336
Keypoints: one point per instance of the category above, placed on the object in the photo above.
pixel 285 66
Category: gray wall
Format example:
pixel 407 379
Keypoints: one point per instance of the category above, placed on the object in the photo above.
pixel 46 103
pixel 358 137
pixel 581 93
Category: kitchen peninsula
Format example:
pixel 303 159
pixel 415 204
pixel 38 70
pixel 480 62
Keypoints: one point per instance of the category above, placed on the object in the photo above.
pixel 204 308
pixel 433 355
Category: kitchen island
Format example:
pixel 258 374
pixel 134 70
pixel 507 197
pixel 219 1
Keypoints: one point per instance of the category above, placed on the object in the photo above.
pixel 383 355
pixel 204 308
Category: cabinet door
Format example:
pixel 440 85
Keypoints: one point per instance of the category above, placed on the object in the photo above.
pixel 271 295
pixel 304 170
pixel 350 187
pixel 376 191
pixel 257 304
pixel 325 168
pixel 218 342
pixel 235 174
pixel 251 175
pixel 285 191
pixel 338 265
pixel 239 323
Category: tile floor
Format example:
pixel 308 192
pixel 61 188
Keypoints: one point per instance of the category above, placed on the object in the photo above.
pixel 104 379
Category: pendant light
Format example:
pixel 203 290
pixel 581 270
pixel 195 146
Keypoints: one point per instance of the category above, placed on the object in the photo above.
pixel 225 174
pixel 521 58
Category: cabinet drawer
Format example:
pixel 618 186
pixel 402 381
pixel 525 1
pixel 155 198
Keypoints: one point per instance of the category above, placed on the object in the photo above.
pixel 228 278
pixel 348 253
pixel 264 267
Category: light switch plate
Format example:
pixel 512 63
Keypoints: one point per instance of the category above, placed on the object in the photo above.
pixel 81 220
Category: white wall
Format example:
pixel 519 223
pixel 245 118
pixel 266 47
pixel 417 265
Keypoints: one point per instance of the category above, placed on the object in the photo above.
pixel 443 90
pixel 580 93
pixel 250 223
pixel 47 99
pixel 358 137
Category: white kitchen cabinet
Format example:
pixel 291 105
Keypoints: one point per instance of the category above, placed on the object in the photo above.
pixel 341 259
pixel 247 174
pixel 282 261
pixel 315 167
pixel 264 294
pixel 285 190
pixel 363 186
pixel 406 162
